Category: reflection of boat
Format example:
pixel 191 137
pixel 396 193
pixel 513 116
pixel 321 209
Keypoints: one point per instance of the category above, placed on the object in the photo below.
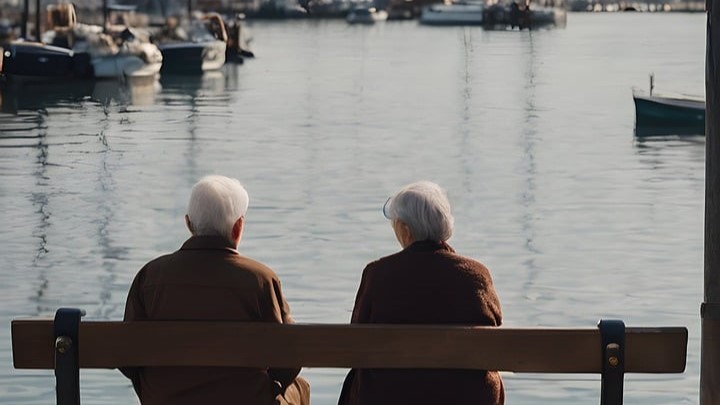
pixel 366 15
pixel 457 13
pixel 668 115
pixel 212 82
pixel 16 95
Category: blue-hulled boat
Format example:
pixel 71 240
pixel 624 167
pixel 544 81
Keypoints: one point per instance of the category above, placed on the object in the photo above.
pixel 668 111
pixel 668 115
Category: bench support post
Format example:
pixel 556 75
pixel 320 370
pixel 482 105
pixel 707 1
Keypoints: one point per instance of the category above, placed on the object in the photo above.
pixel 612 333
pixel 67 366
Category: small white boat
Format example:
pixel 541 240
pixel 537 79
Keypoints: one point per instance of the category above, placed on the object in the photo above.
pixel 366 15
pixel 457 13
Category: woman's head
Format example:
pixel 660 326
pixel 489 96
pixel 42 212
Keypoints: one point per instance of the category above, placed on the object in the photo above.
pixel 424 210
pixel 216 204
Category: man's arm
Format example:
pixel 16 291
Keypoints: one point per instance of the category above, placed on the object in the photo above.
pixel 280 313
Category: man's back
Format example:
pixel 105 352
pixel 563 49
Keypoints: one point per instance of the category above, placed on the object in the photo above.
pixel 207 279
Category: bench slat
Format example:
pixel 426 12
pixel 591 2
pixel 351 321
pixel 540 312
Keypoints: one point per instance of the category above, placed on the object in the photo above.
pixel 118 344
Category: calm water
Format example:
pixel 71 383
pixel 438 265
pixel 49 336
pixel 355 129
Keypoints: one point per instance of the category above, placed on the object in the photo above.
pixel 530 133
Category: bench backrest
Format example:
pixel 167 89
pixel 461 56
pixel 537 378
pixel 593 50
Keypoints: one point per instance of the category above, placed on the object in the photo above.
pixel 117 344
pixel 35 344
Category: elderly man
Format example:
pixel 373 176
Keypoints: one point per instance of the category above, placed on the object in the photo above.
pixel 208 279
pixel 425 283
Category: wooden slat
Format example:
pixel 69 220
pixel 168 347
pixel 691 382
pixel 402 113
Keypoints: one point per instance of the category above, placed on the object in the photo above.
pixel 116 344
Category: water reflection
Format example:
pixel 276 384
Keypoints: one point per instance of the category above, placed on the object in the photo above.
pixel 645 131
pixel 528 140
pixel 193 86
pixel 16 96
pixel 40 200
pixel 192 92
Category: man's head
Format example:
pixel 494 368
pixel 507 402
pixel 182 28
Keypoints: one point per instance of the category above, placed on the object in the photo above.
pixel 217 207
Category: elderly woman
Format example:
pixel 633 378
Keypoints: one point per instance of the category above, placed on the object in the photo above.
pixel 425 283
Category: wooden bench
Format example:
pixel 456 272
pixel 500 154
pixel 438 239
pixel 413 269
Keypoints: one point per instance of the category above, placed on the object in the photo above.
pixel 66 344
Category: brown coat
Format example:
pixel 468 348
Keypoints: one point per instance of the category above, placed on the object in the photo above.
pixel 207 279
pixel 426 283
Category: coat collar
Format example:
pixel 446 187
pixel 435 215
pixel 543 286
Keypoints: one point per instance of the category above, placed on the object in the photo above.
pixel 429 246
pixel 208 242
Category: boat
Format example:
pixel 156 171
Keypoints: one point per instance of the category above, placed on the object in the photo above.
pixel 366 15
pixel 502 16
pixel 198 47
pixel 663 115
pixel 111 53
pixel 456 13
pixel 29 59
pixel 25 59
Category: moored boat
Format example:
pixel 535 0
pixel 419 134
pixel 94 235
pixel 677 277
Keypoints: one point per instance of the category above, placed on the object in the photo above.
pixel 664 115
pixel 199 47
pixel 456 13
pixel 668 115
pixel 121 52
pixel 28 59
pixel 366 15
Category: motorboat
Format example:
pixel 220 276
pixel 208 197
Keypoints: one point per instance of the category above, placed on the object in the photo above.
pixel 366 15
pixel 117 53
pixel 198 47
pixel 30 59
pixel 456 13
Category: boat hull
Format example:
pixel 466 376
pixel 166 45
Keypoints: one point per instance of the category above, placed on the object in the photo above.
pixel 31 59
pixel 192 57
pixel 668 114
pixel 446 15
pixel 366 18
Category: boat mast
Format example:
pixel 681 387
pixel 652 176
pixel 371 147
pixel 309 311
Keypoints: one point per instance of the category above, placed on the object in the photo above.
pixel 25 16
pixel 37 20
pixel 710 309
pixel 105 15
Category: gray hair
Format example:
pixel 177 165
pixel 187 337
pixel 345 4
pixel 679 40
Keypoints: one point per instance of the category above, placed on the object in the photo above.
pixel 425 209
pixel 216 203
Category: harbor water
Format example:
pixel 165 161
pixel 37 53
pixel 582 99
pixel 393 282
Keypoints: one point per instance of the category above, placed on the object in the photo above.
pixel 531 133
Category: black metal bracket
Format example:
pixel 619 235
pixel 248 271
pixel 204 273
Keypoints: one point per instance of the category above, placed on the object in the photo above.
pixel 612 333
pixel 710 310
pixel 67 346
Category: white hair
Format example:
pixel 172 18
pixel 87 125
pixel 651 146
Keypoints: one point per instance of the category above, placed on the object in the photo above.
pixel 216 203
pixel 424 207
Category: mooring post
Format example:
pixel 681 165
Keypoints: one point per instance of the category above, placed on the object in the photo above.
pixel 710 308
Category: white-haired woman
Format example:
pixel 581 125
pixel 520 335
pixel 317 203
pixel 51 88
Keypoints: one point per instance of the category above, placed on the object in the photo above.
pixel 425 283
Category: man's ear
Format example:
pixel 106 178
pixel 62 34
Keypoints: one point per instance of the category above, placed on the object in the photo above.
pixel 189 224
pixel 238 228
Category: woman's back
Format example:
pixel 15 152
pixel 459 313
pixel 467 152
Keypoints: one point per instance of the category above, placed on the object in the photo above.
pixel 426 283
